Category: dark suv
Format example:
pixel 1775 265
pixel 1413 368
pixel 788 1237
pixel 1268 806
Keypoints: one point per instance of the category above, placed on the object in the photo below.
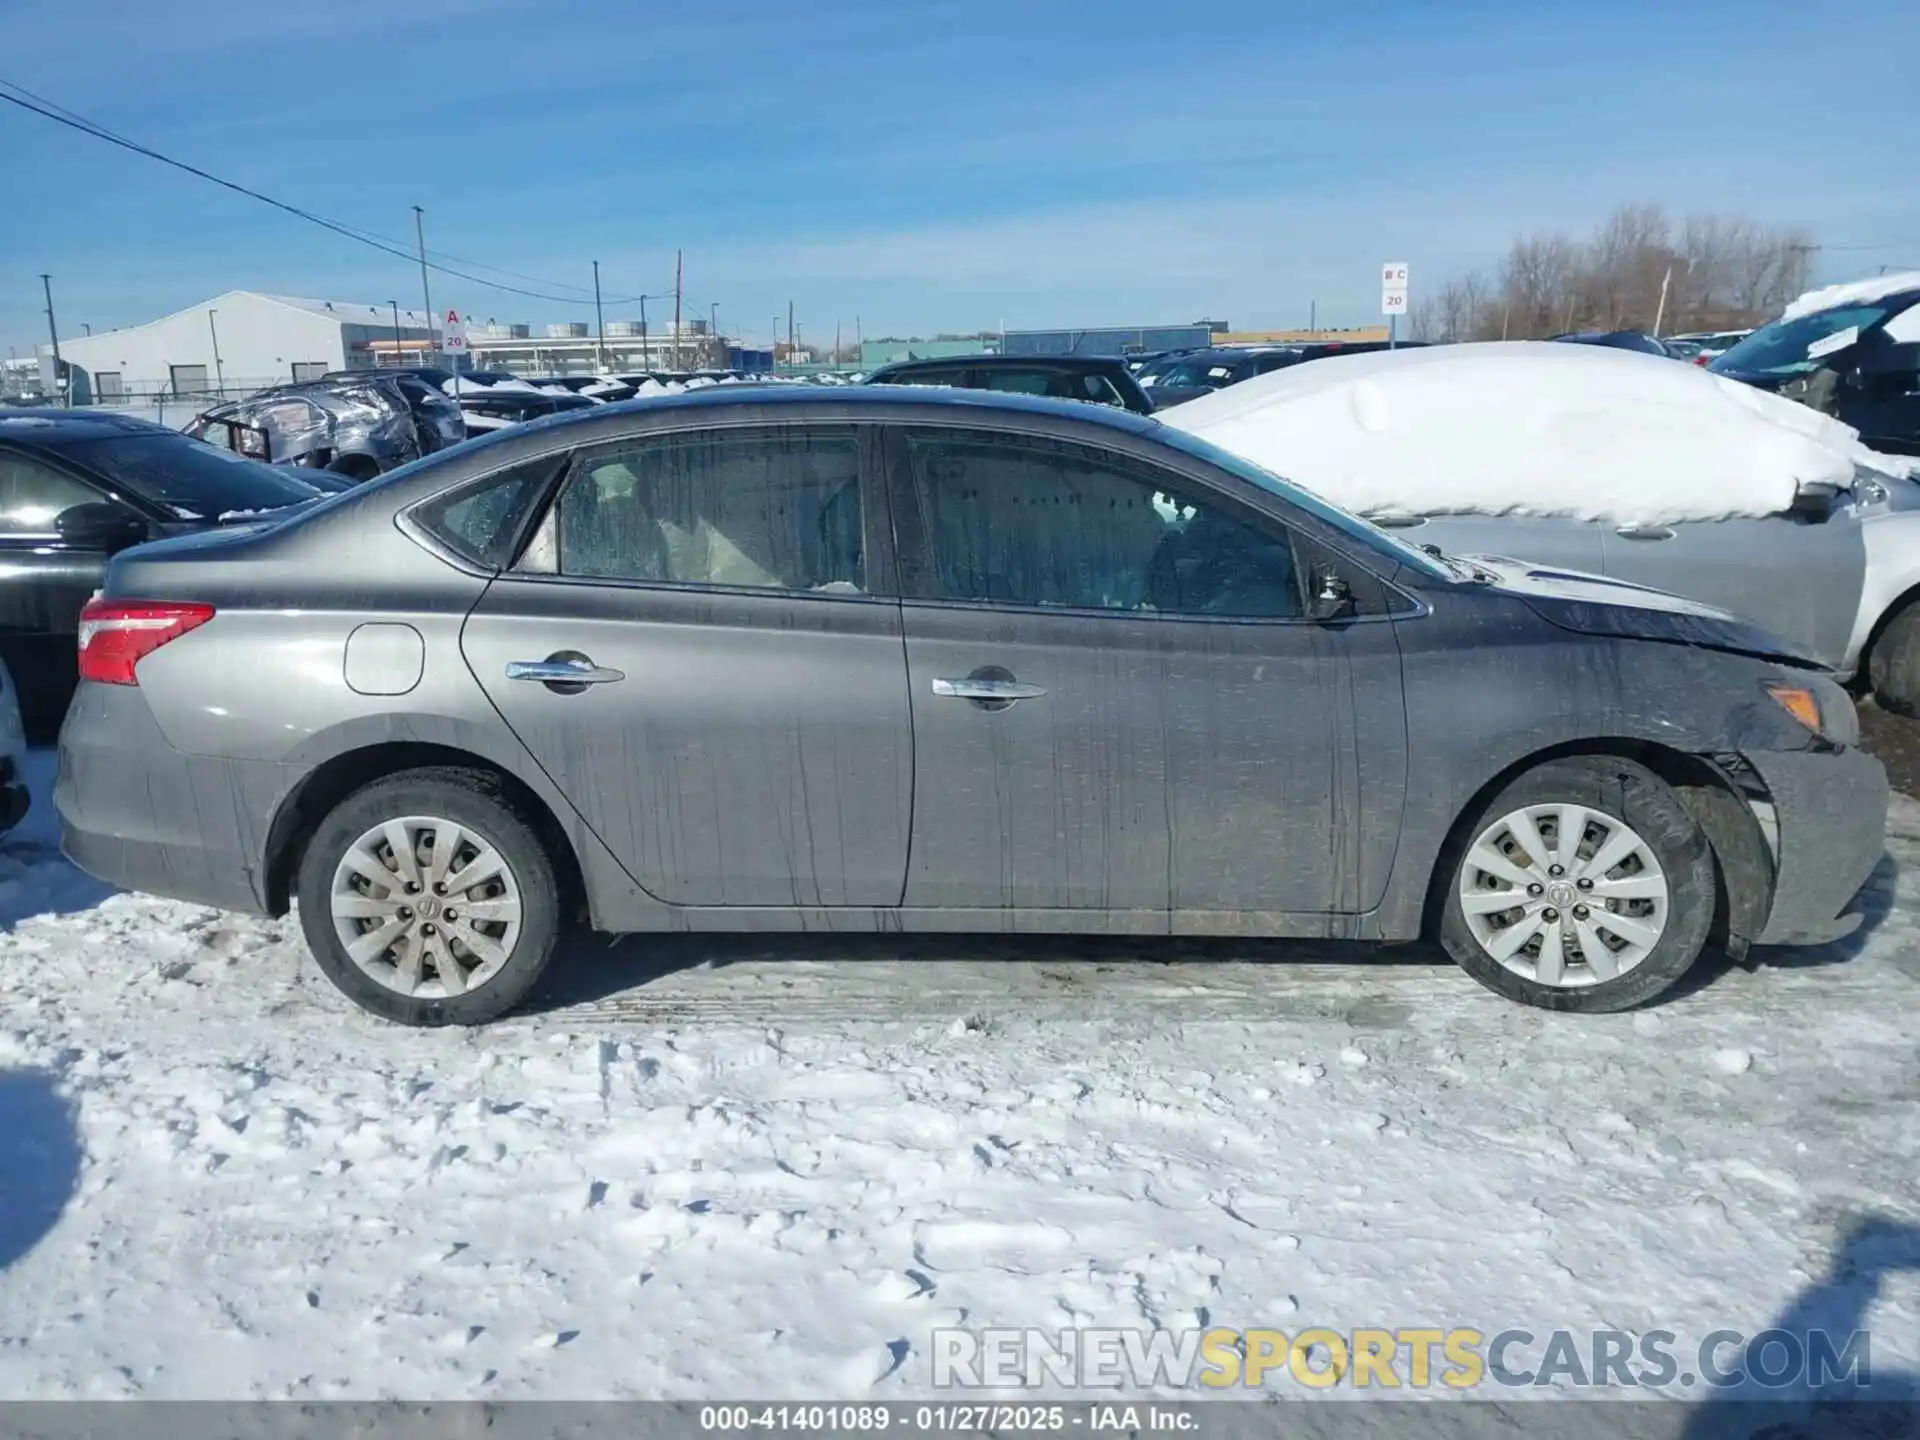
pixel 1100 379
pixel 1180 378
pixel 1857 360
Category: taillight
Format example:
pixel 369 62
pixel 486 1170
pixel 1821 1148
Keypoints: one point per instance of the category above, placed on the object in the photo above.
pixel 1702 359
pixel 116 634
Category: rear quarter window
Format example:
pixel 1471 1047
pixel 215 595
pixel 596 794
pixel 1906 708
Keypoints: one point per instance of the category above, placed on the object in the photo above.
pixel 483 520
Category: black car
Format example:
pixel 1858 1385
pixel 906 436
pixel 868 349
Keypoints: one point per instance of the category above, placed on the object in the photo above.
pixel 1200 372
pixel 77 487
pixel 1101 379
pixel 1857 360
pixel 1618 340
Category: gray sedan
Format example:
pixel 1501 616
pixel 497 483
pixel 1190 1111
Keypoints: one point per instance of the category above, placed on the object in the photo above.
pixel 884 659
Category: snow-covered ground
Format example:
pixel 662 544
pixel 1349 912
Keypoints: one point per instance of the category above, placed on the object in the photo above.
pixel 720 1168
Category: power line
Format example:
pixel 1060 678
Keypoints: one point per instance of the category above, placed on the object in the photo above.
pixel 59 114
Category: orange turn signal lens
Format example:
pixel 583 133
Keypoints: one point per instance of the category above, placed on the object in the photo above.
pixel 1798 703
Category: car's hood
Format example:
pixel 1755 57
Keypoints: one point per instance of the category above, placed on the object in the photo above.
pixel 1595 605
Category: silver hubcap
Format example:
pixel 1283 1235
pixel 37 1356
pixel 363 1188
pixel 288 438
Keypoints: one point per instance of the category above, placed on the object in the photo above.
pixel 1563 895
pixel 426 907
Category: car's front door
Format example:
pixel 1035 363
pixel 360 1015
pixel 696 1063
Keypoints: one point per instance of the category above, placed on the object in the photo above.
pixel 701 647
pixel 1798 576
pixel 1117 702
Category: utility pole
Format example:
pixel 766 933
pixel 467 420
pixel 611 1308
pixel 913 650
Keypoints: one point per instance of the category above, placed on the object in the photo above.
pixel 793 352
pixel 646 355
pixel 1313 316
pixel 53 331
pixel 420 233
pixel 676 308
pixel 219 373
pixel 836 342
pixel 396 330
pixel 599 322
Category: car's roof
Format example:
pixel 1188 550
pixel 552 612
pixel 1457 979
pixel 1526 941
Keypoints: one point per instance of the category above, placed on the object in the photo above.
pixel 877 402
pixel 65 427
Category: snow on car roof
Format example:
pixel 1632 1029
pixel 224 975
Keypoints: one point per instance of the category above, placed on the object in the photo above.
pixel 1853 292
pixel 1530 428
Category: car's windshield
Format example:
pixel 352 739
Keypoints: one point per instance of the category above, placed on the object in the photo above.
pixel 189 477
pixel 1347 523
pixel 1793 347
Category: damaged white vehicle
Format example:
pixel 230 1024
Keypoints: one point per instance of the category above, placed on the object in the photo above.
pixel 1614 464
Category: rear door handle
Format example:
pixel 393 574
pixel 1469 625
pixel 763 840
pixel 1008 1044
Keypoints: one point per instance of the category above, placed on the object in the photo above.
pixel 974 687
pixel 1398 522
pixel 1644 532
pixel 567 672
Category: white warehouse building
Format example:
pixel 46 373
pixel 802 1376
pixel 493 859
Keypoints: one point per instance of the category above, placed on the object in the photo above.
pixel 237 343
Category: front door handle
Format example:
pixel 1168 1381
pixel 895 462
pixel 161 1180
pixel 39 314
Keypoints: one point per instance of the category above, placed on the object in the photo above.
pixel 1398 522
pixel 1644 532
pixel 566 672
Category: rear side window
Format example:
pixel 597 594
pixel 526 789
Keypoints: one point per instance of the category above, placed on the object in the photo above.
pixel 481 521
pixel 766 510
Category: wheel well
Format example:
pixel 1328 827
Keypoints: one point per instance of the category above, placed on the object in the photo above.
pixel 339 777
pixel 1861 678
pixel 1686 773
pixel 357 467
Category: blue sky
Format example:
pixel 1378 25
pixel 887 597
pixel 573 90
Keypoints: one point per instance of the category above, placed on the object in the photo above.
pixel 924 164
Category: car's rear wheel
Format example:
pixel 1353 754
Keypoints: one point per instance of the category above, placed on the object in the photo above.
pixel 429 899
pixel 1583 885
pixel 1893 665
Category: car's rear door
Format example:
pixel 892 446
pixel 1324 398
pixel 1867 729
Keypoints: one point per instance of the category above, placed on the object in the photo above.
pixel 701 647
pixel 44 580
pixel 1117 703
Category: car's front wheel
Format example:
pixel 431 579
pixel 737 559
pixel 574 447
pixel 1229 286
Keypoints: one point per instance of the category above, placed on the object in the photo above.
pixel 1583 885
pixel 1893 665
pixel 429 899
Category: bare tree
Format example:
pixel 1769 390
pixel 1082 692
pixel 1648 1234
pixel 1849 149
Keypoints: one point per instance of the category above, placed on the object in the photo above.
pixel 1636 270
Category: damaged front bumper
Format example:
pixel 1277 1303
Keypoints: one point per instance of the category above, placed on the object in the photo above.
pixel 1828 832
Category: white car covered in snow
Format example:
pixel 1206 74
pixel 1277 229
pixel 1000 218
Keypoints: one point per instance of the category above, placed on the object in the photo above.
pixel 1612 463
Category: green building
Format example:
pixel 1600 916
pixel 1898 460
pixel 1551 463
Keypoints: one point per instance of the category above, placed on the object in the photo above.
pixel 875 353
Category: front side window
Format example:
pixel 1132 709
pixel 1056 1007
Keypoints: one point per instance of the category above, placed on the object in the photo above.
pixel 763 510
pixel 32 495
pixel 1027 521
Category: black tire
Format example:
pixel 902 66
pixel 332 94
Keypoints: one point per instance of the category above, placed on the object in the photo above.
pixel 476 801
pixel 1623 790
pixel 1893 665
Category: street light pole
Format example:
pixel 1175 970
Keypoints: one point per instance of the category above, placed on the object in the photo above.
pixel 599 322
pixel 420 233
pixel 53 331
pixel 219 372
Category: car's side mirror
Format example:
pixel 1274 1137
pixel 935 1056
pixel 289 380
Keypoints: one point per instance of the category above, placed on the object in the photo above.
pixel 1813 501
pixel 1330 597
pixel 101 525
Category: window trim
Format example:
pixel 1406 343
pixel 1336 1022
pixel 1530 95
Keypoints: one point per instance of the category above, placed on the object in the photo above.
pixel 877 537
pixel 915 556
